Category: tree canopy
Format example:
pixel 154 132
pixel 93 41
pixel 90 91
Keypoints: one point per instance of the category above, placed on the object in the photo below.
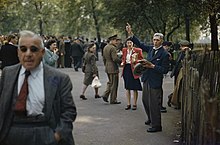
pixel 102 18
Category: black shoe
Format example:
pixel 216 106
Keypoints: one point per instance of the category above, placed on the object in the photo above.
pixel 83 97
pixel 116 102
pixel 154 129
pixel 177 107
pixel 134 107
pixel 169 99
pixel 169 103
pixel 128 107
pixel 147 122
pixel 105 99
pixel 97 96
pixel 163 109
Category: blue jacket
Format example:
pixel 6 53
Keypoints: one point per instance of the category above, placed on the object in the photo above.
pixel 161 61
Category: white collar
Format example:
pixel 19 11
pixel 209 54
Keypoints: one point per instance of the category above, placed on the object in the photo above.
pixel 157 47
pixel 34 72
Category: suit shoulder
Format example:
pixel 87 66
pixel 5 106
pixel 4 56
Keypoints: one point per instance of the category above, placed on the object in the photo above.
pixel 54 71
pixel 12 67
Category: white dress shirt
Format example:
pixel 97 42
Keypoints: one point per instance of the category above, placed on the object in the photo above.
pixel 156 49
pixel 36 97
pixel 128 56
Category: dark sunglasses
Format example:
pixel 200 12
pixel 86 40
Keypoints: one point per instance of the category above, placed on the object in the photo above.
pixel 32 49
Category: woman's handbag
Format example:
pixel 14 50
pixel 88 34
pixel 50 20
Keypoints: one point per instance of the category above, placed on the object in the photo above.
pixel 96 83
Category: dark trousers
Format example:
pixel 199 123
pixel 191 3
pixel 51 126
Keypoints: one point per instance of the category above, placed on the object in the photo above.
pixel 151 99
pixel 77 61
pixel 30 135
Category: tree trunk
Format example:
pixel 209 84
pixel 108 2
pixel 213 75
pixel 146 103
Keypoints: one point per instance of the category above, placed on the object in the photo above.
pixel 41 26
pixel 187 27
pixel 214 32
pixel 96 23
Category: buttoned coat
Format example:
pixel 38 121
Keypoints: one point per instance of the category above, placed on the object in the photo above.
pixel 135 51
pixel 59 108
pixel 161 61
pixel 110 59
pixel 90 63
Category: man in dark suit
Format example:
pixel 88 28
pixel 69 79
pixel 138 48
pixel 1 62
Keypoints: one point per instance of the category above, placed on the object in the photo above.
pixel 8 52
pixel 157 64
pixel 111 61
pixel 36 104
pixel 77 53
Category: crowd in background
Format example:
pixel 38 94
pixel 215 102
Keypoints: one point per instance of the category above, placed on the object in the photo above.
pixel 69 50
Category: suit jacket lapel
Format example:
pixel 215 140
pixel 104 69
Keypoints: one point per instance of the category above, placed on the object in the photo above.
pixel 157 54
pixel 7 99
pixel 11 84
pixel 50 88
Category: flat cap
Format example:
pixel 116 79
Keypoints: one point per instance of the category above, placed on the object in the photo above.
pixel 167 43
pixel 113 37
pixel 139 69
pixel 184 43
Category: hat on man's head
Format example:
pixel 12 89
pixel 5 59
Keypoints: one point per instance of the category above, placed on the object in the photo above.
pixel 184 43
pixel 158 35
pixel 113 37
pixel 167 43
pixel 129 39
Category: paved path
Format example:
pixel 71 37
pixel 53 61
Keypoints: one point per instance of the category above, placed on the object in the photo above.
pixel 99 123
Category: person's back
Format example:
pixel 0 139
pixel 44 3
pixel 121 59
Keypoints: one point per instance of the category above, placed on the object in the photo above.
pixel 77 50
pixel 8 52
pixel 111 62
pixel 110 59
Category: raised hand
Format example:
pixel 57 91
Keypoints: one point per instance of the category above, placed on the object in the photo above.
pixel 128 29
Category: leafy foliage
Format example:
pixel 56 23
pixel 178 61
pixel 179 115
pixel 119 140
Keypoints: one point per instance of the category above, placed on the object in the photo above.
pixel 102 18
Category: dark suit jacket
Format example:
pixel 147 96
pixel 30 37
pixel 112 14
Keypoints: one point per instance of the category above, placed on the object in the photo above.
pixel 161 61
pixel 77 50
pixel 8 55
pixel 60 110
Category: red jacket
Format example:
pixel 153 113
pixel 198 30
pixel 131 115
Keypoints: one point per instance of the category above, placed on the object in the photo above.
pixel 138 51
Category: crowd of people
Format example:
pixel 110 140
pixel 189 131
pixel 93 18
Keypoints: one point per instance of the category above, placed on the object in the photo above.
pixel 50 109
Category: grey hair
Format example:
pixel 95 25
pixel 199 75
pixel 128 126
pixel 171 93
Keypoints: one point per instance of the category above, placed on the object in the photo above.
pixel 27 33
pixel 159 34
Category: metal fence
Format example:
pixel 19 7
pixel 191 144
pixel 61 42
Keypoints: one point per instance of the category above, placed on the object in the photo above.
pixel 200 99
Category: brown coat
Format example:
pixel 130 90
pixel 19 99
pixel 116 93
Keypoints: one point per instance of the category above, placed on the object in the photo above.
pixel 90 67
pixel 110 59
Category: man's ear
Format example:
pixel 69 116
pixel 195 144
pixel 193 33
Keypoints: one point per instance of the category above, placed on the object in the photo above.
pixel 43 51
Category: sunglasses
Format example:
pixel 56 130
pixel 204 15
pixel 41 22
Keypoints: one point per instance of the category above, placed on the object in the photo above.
pixel 32 49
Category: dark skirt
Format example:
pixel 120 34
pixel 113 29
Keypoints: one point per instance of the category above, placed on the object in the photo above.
pixel 129 81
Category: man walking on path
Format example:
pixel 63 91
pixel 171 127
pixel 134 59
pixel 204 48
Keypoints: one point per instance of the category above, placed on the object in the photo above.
pixel 111 62
pixel 36 104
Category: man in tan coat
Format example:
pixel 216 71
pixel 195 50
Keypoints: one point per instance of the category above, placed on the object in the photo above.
pixel 111 62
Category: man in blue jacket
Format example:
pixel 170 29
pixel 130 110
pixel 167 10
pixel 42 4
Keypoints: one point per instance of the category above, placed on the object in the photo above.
pixel 156 64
